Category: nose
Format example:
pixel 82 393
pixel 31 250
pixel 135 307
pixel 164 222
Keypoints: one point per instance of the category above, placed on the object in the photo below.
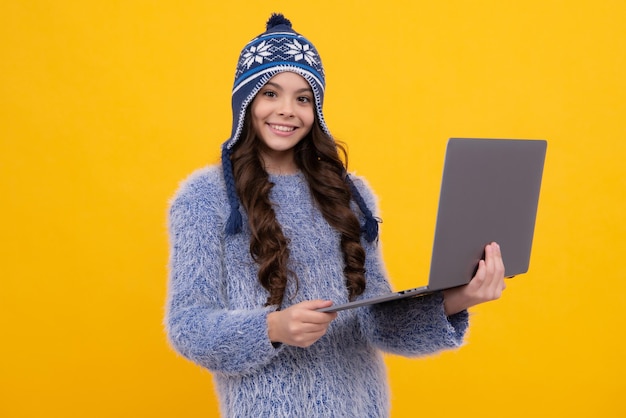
pixel 285 108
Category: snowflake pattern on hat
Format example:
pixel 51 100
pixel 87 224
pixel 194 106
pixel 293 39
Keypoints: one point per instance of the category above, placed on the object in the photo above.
pixel 300 51
pixel 254 54
pixel 279 49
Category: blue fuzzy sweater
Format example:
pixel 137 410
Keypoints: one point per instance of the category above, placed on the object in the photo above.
pixel 215 315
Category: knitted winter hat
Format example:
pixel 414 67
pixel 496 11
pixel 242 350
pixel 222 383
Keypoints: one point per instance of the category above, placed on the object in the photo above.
pixel 278 49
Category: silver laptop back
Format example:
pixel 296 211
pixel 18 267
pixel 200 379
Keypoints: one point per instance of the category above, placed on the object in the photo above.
pixel 489 192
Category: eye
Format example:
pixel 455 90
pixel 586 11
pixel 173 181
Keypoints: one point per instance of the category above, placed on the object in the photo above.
pixel 269 93
pixel 304 99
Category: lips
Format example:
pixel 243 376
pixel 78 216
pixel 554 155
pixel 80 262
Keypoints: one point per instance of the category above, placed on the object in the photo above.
pixel 282 128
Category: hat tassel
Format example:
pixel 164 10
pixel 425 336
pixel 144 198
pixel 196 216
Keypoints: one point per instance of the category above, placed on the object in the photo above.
pixel 234 222
pixel 370 227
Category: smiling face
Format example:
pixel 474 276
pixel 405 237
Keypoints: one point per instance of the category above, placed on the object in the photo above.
pixel 282 114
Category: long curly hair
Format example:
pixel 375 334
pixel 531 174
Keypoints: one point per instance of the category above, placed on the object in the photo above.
pixel 321 160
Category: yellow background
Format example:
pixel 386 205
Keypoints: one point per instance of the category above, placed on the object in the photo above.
pixel 105 106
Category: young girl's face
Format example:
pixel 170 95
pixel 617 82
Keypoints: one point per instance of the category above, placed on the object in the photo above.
pixel 282 114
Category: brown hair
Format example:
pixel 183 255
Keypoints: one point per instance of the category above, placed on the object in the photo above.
pixel 320 159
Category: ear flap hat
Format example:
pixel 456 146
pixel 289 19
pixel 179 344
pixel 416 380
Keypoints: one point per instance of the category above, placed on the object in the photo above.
pixel 278 49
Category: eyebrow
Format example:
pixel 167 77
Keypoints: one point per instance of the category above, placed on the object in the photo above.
pixel 279 87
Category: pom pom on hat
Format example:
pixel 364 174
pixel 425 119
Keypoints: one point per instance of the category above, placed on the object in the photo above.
pixel 277 19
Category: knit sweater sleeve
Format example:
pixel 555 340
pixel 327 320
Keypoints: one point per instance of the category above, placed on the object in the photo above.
pixel 408 327
pixel 198 323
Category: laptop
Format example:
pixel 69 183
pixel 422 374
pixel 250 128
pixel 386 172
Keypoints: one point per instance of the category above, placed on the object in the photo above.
pixel 489 192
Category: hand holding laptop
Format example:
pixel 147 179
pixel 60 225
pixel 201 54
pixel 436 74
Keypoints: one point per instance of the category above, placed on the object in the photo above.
pixel 487 284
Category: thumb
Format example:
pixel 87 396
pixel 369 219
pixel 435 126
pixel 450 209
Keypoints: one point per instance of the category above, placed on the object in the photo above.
pixel 316 304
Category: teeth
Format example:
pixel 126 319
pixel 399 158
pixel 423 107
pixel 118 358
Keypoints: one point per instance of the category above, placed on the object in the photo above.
pixel 283 128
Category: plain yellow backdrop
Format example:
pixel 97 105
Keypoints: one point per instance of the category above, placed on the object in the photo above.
pixel 106 106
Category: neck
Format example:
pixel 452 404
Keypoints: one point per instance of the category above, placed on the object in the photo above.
pixel 279 162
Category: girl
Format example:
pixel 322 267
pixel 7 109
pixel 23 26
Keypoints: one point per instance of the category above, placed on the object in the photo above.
pixel 279 230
